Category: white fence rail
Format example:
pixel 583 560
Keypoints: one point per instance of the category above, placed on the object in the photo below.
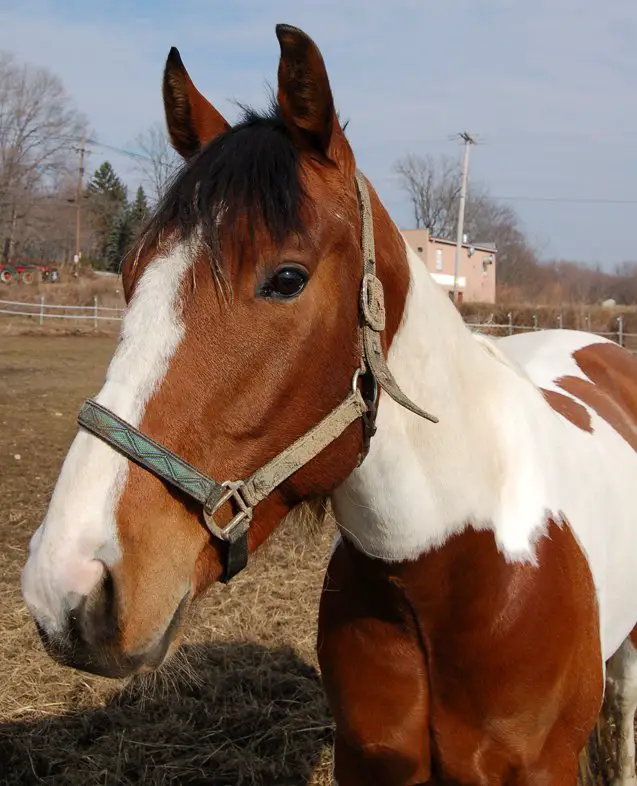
pixel 619 336
pixel 42 310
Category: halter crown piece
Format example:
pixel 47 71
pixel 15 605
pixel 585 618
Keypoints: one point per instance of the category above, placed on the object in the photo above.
pixel 246 494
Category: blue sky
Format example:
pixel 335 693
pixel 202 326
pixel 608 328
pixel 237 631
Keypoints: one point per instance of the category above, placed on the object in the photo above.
pixel 549 87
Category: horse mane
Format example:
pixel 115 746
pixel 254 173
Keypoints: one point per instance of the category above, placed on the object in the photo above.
pixel 489 345
pixel 247 177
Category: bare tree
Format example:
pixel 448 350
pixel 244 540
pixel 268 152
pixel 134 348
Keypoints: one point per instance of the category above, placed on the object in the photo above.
pixel 38 127
pixel 433 187
pixel 160 160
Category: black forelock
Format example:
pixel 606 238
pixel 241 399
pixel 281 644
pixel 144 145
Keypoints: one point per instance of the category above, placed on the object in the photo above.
pixel 250 172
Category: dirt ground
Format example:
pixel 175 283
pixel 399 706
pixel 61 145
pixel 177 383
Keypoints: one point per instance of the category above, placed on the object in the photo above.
pixel 240 704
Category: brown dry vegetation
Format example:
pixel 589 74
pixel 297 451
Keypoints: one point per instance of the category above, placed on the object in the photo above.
pixel 78 292
pixel 577 317
pixel 241 704
pixel 242 701
pixel 68 292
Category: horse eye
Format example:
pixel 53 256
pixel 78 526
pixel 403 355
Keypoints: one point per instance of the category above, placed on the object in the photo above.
pixel 287 282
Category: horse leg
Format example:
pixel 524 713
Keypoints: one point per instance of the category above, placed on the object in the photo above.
pixel 351 767
pixel 622 687
pixel 375 678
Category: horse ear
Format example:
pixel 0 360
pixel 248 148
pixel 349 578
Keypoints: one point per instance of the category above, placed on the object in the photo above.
pixel 305 98
pixel 191 119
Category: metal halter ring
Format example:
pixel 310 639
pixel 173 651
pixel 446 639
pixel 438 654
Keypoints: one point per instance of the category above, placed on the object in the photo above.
pixel 239 524
pixel 356 377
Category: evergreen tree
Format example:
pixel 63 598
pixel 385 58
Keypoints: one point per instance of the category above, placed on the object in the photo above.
pixel 138 211
pixel 119 238
pixel 106 203
pixel 106 183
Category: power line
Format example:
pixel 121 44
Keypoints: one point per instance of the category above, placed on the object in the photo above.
pixel 106 146
pixel 394 181
pixel 574 200
pixel 123 151
pixel 132 154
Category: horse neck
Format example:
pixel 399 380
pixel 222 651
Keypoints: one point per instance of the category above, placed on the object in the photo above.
pixel 421 482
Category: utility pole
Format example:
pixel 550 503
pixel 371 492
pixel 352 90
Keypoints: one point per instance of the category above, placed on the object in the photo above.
pixel 468 141
pixel 78 201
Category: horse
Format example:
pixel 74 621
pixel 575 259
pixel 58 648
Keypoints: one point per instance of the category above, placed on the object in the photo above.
pixel 482 587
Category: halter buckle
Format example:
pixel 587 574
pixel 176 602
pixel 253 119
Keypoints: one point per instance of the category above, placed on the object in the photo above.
pixel 373 302
pixel 240 523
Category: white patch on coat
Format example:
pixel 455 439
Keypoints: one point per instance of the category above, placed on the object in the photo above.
pixel 79 531
pixel 500 457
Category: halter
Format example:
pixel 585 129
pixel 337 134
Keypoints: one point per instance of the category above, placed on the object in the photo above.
pixel 247 493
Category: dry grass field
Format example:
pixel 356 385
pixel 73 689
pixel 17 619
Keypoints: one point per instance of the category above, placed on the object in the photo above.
pixel 242 701
pixel 89 287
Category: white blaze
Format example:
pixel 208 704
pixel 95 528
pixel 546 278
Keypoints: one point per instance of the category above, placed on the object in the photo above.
pixel 79 530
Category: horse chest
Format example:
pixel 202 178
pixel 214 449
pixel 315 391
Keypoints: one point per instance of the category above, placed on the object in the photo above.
pixel 459 666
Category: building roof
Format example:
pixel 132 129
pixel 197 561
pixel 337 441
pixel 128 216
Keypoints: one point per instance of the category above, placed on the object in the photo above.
pixel 490 247
pixel 478 246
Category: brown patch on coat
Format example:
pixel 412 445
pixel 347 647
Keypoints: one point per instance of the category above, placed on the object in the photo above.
pixel 460 666
pixel 569 408
pixel 610 388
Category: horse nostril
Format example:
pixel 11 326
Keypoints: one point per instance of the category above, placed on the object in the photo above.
pixel 95 619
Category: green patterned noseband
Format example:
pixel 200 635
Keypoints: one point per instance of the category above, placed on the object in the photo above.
pixel 245 494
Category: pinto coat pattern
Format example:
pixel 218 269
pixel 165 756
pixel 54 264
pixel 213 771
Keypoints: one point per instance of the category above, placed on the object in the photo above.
pixel 484 574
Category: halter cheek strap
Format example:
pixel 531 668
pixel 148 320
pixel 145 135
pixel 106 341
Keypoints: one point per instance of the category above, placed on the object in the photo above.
pixel 372 308
pixel 246 494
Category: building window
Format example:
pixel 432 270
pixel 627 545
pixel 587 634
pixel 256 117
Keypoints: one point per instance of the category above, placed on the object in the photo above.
pixel 438 259
pixel 486 261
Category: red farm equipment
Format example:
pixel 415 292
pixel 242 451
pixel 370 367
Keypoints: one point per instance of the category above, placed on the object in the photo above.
pixel 27 272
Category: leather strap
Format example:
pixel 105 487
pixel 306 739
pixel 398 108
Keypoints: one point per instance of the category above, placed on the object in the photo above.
pixel 165 464
pixel 263 482
pixel 143 450
pixel 372 308
pixel 235 557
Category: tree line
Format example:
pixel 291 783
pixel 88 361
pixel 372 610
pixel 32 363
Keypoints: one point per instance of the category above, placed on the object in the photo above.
pixel 40 131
